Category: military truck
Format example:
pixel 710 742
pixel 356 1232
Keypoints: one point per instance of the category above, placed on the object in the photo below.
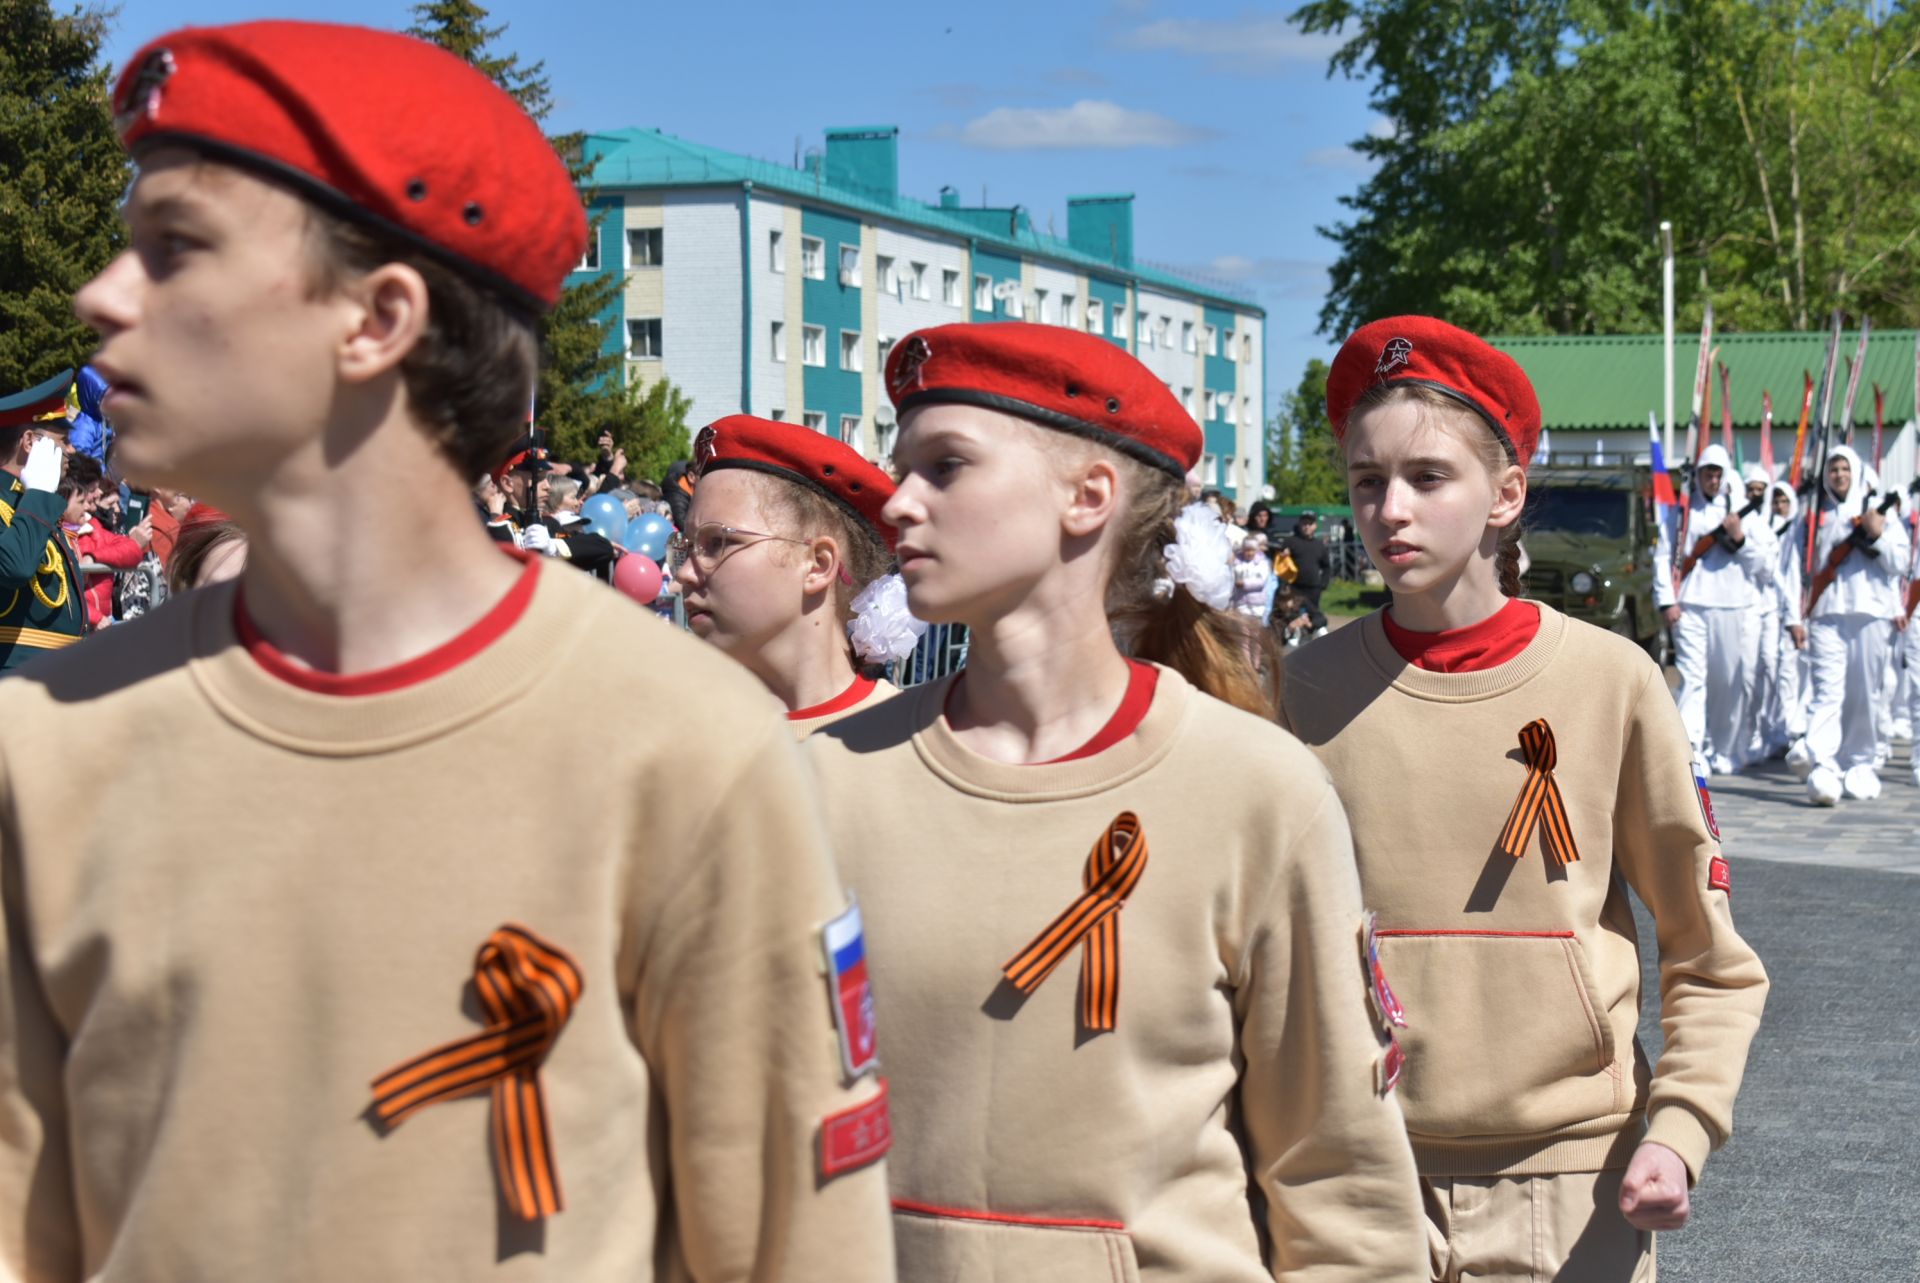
pixel 1590 534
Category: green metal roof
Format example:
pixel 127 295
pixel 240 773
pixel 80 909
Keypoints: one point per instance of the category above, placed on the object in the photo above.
pixel 650 158
pixel 1612 380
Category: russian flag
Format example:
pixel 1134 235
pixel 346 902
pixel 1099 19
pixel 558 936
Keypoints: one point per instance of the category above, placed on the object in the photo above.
pixel 1662 483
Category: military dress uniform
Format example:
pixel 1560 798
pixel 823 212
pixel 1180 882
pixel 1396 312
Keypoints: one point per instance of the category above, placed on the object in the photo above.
pixel 40 588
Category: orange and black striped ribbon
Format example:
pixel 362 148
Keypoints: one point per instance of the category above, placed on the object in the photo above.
pixel 528 988
pixel 1539 803
pixel 1113 869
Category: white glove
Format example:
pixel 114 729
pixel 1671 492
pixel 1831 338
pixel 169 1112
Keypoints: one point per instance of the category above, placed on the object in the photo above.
pixel 536 538
pixel 45 461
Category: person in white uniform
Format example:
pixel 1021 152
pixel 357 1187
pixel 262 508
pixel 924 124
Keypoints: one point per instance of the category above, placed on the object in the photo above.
pixel 1847 630
pixel 1782 695
pixel 1711 612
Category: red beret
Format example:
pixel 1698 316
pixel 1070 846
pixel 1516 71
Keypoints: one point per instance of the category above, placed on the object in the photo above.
pixel 1058 378
pixel 377 127
pixel 1429 353
pixel 801 455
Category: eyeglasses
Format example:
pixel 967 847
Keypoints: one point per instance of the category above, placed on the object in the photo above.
pixel 712 543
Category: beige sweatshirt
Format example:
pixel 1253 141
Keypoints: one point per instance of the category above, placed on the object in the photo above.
pixel 804 726
pixel 1244 1054
pixel 1521 977
pixel 244 901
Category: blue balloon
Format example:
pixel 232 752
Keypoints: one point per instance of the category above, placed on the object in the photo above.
pixel 647 534
pixel 603 511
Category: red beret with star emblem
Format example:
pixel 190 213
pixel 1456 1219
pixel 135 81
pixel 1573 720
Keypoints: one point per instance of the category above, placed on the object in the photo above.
pixel 1056 377
pixel 377 127
pixel 801 455
pixel 1429 353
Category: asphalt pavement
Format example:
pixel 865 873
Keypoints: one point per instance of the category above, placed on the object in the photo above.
pixel 1821 1179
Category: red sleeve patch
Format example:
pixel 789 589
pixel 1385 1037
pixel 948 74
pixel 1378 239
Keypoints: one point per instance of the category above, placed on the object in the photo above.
pixel 1720 875
pixel 855 1137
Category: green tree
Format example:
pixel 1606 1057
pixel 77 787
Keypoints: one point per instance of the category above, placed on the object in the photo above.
pixel 61 176
pixel 1535 146
pixel 1303 462
pixel 581 389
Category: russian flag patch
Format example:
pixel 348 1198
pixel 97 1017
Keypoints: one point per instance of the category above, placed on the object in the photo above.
pixel 846 949
pixel 1706 800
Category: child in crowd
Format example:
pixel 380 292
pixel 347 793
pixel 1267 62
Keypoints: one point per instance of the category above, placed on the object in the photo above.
pixel 1201 1093
pixel 784 566
pixel 1510 773
pixel 1251 574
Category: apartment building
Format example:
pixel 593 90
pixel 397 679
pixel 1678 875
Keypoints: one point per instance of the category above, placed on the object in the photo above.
pixel 778 291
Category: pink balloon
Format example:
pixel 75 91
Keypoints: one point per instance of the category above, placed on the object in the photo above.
pixel 638 576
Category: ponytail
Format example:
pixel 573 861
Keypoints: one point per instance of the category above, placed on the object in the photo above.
pixel 1506 561
pixel 1215 652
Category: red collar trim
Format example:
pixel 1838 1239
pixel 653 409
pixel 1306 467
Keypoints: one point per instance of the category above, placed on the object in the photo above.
pixel 1493 641
pixel 1142 679
pixel 861 688
pixel 381 681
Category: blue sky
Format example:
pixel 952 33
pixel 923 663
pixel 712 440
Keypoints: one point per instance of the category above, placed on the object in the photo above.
pixel 1218 116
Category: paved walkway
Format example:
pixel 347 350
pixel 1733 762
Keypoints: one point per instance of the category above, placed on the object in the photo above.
pixel 1821 1180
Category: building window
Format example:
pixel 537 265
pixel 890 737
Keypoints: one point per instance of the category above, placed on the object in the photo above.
pixel 849 428
pixel 1213 341
pixel 1208 472
pixel 776 253
pixel 1230 347
pixel 917 278
pixel 950 287
pixel 1119 321
pixel 850 265
pixel 885 349
pixel 1143 330
pixel 643 339
pixel 1186 337
pixel 1226 471
pixel 1246 411
pixel 814 420
pixel 590 260
pixel 1186 402
pixel 1070 311
pixel 777 415
pixel 1016 301
pixel 813 344
pixel 983 294
pixel 643 247
pixel 1096 316
pixel 1040 307
pixel 813 258
pixel 1163 332
pixel 850 350
pixel 779 341
pixel 1246 347
pixel 884 269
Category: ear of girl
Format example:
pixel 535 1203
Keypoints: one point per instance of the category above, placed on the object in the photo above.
pixel 1103 1118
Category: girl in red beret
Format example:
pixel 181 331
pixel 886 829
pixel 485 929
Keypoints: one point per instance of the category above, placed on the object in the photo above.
pixel 1116 926
pixel 1509 772
pixel 784 565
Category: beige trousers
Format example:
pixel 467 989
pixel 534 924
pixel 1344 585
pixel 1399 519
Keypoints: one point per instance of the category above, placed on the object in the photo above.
pixel 1533 1229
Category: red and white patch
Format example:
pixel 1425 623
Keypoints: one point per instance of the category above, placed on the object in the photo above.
pixel 1720 875
pixel 845 946
pixel 1386 1005
pixel 855 1137
pixel 1389 1067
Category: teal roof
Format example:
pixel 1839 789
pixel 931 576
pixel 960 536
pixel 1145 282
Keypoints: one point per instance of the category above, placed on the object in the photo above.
pixel 1612 380
pixel 650 158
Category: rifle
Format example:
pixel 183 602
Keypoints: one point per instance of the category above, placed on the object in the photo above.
pixel 1818 479
pixel 1841 551
pixel 1704 544
pixel 1800 434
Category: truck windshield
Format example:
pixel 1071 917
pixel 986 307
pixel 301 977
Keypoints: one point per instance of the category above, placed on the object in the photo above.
pixel 1579 512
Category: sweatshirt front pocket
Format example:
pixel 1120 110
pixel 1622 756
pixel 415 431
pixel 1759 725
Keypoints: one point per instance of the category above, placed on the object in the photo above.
pixel 1505 1033
pixel 946 1244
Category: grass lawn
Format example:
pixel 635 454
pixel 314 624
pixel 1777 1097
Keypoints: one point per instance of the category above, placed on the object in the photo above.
pixel 1344 597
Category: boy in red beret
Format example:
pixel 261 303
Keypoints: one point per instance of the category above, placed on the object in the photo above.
pixel 784 566
pixel 1509 772
pixel 330 1010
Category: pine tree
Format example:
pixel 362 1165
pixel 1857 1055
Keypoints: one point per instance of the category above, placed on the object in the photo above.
pixel 62 173
pixel 1304 460
pixel 580 391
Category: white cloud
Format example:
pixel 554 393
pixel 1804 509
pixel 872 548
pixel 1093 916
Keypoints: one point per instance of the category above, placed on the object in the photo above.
pixel 1273 278
pixel 1341 159
pixel 1251 42
pixel 1088 123
pixel 1382 128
